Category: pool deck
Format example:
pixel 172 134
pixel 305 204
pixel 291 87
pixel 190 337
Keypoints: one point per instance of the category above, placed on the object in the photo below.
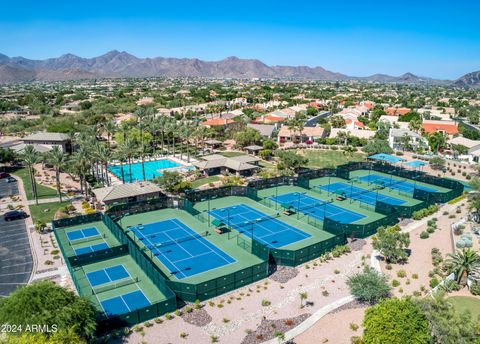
pixel 118 181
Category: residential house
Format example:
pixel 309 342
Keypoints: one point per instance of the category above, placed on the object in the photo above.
pixel 307 135
pixel 351 124
pixel 217 123
pixel 393 121
pixel 266 130
pixel 396 138
pixel 473 147
pixel 449 128
pixel 397 111
pixel 360 133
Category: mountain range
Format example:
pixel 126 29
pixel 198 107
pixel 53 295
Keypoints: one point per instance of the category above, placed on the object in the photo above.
pixel 116 64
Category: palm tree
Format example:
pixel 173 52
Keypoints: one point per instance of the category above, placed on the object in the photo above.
pixel 30 158
pixel 437 140
pixel 415 124
pixel 202 132
pixel 120 155
pixel 345 136
pixel 128 150
pixel 103 156
pixel 56 157
pixel 80 164
pixel 172 129
pixel 462 263
pixel 110 129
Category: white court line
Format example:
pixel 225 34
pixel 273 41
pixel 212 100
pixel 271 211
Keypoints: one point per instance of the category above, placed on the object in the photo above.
pixel 163 255
pixel 203 243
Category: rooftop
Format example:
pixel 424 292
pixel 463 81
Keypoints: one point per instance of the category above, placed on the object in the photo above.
pixel 114 192
pixel 44 136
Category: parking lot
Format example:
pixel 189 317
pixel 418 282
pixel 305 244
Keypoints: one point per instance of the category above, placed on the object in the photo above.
pixel 8 189
pixel 16 262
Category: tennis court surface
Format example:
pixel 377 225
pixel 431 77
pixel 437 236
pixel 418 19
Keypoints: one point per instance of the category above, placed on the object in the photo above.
pixel 124 303
pixel 317 208
pixel 83 235
pixel 360 194
pixel 259 226
pixel 180 249
pixel 396 184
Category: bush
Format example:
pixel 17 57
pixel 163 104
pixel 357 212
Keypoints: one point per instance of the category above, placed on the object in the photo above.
pixel 395 321
pixel 424 235
pixel 401 274
pixel 434 282
pixel 430 230
pixel 369 286
pixel 475 288
pixel 395 283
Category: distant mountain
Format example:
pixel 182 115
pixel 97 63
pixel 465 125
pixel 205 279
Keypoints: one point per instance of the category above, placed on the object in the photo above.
pixel 116 64
pixel 469 80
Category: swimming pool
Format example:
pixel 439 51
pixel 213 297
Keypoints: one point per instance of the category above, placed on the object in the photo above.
pixel 151 169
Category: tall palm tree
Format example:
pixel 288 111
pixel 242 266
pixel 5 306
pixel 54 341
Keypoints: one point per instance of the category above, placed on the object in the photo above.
pixel 30 157
pixel 102 155
pixel 80 164
pixel 172 129
pixel 120 155
pixel 56 157
pixel 415 124
pixel 128 149
pixel 110 129
pixel 437 140
pixel 462 263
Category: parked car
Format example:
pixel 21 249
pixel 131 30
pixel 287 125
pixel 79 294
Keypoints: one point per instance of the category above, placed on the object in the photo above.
pixel 14 215
pixel 4 175
pixel 11 180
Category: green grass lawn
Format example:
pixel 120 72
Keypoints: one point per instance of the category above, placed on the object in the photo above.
pixel 231 154
pixel 330 158
pixel 464 303
pixel 42 191
pixel 39 214
pixel 203 181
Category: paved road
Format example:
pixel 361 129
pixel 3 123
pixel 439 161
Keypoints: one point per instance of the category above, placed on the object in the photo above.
pixel 16 262
pixel 8 189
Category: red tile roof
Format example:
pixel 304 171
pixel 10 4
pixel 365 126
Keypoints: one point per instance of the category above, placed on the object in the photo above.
pixel 450 129
pixel 215 122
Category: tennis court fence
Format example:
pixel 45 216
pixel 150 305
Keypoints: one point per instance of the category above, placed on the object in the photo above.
pixel 75 266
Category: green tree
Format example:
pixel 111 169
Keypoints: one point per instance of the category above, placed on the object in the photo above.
pixel 59 337
pixel 437 162
pixel 48 304
pixel 448 325
pixel 437 141
pixel 7 155
pixel 56 157
pixel 30 158
pixel 291 160
pixel 376 146
pixel 395 321
pixel 172 181
pixel 369 286
pixel 391 243
pixel 462 263
pixel 247 137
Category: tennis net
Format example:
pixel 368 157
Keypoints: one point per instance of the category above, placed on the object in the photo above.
pixel 179 240
pixel 86 239
pixel 110 286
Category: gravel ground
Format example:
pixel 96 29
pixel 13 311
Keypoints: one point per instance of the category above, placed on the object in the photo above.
pixel 198 317
pixel 284 274
pixel 357 245
pixel 268 328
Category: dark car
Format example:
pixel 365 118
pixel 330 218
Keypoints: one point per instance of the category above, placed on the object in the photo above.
pixel 4 175
pixel 11 180
pixel 14 215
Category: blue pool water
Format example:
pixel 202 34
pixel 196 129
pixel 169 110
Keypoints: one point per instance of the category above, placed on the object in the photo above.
pixel 151 169
pixel 416 163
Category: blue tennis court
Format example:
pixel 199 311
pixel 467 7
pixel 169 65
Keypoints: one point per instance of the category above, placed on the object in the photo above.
pixel 180 249
pixel 262 227
pixel 83 234
pixel 90 249
pixel 125 303
pixel 317 208
pixel 107 275
pixel 360 194
pixel 401 185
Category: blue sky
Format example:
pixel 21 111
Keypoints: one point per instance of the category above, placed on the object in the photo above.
pixel 432 38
